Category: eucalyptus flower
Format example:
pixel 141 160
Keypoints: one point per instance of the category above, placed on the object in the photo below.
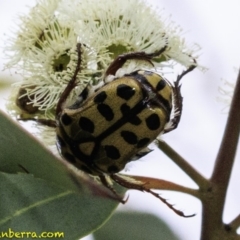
pixel 51 66
pixel 226 90
pixel 29 31
pixel 114 27
pixel 48 60
pixel 44 47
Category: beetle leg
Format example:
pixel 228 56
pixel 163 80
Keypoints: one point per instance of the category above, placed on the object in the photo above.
pixel 109 186
pixel 71 84
pixel 46 122
pixel 130 183
pixel 177 101
pixel 121 59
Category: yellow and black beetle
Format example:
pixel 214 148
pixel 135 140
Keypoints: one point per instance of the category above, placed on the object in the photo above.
pixel 112 123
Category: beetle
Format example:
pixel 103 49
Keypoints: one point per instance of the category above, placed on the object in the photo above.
pixel 113 123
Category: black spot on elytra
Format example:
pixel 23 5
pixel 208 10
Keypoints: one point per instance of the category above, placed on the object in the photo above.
pixel 105 111
pixel 124 108
pixel 112 152
pixel 100 97
pixel 153 121
pixel 113 169
pixel 129 137
pixel 161 85
pixel 69 157
pixel 86 124
pixel 135 120
pixel 66 120
pixel 143 142
pixel 125 92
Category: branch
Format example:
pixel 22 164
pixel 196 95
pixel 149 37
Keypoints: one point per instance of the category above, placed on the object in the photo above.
pixel 183 164
pixel 213 200
pixel 235 224
pixel 225 158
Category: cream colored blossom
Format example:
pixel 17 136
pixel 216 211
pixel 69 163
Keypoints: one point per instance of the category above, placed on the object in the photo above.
pixel 47 57
pixel 226 90
pixel 44 49
pixel 114 27
pixel 30 28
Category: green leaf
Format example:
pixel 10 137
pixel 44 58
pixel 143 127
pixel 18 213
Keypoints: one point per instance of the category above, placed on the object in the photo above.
pixel 53 196
pixel 19 149
pixel 134 225
pixel 30 204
